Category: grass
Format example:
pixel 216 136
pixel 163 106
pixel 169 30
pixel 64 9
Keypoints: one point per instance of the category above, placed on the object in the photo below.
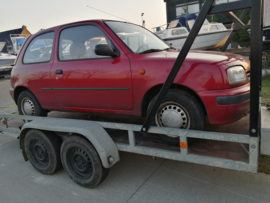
pixel 264 160
pixel 264 164
pixel 266 90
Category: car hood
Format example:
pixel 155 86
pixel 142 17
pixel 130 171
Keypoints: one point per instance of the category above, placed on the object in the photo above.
pixel 210 57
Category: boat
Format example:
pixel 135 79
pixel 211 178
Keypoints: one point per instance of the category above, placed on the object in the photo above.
pixel 211 35
pixel 5 59
pixel 17 41
pixel 5 71
pixel 13 39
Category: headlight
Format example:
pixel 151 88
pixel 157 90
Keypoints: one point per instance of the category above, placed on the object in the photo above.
pixel 236 75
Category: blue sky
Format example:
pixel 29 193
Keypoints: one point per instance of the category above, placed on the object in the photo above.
pixel 37 14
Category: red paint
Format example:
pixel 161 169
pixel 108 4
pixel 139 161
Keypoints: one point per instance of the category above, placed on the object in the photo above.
pixel 204 73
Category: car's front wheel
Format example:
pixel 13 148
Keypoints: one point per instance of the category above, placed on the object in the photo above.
pixel 29 105
pixel 179 109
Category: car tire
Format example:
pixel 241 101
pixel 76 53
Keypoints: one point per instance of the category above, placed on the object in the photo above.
pixel 29 105
pixel 178 109
pixel 42 149
pixel 82 162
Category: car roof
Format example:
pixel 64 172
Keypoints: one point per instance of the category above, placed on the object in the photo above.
pixel 74 23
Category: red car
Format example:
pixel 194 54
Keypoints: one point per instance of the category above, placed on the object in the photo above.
pixel 117 67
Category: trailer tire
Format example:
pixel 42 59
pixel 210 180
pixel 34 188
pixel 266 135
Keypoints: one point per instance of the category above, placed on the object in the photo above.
pixel 43 150
pixel 82 162
pixel 182 106
pixel 29 105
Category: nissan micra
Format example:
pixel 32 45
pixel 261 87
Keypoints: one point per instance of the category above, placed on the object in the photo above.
pixel 116 67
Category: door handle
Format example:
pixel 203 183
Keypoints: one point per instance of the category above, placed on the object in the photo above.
pixel 59 71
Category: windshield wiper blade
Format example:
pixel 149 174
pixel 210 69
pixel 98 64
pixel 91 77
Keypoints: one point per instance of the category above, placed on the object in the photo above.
pixel 170 48
pixel 150 51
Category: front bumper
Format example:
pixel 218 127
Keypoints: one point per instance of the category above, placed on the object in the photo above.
pixel 226 106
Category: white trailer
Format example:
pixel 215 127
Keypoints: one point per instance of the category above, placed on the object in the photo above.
pixel 87 149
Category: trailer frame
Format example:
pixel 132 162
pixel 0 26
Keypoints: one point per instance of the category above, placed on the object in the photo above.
pixel 82 127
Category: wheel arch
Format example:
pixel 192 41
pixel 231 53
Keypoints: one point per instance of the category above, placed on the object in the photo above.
pixel 148 96
pixel 92 131
pixel 18 90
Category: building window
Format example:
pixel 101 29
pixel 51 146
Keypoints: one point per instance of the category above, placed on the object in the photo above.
pixel 224 1
pixel 194 7
pixel 187 8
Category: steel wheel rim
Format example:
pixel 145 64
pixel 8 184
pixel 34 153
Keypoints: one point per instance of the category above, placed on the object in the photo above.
pixel 39 153
pixel 80 162
pixel 27 107
pixel 172 114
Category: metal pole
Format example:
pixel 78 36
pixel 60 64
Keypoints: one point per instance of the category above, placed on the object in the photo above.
pixel 256 67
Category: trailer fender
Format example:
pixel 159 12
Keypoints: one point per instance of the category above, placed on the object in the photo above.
pixel 91 130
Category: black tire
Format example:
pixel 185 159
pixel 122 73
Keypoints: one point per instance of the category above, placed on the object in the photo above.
pixel 82 162
pixel 43 150
pixel 183 111
pixel 29 105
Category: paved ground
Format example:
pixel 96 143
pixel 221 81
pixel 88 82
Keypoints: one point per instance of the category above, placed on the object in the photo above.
pixel 135 178
pixel 7 105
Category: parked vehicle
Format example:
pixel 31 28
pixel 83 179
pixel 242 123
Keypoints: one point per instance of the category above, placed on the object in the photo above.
pixel 116 67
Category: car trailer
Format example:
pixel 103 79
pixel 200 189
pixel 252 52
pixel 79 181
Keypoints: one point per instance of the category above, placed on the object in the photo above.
pixel 87 149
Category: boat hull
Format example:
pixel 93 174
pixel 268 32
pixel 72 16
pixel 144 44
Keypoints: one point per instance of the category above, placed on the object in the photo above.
pixel 6 62
pixel 203 41
pixel 5 70
pixel 6 59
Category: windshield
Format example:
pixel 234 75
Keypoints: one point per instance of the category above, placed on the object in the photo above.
pixel 136 38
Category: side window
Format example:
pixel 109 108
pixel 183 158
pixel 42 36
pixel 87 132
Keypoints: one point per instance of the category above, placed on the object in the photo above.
pixel 79 42
pixel 40 49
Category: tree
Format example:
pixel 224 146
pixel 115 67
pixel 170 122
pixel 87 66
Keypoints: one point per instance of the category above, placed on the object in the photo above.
pixel 185 10
pixel 242 36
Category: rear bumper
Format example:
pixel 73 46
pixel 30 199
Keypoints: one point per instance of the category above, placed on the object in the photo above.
pixel 226 106
pixel 11 92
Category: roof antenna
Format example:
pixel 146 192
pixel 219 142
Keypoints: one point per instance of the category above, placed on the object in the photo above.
pixel 108 13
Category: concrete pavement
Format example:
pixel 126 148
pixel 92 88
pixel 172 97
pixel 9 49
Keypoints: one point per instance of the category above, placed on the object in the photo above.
pixel 7 105
pixel 135 178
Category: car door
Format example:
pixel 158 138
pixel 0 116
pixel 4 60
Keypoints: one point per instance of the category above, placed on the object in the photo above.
pixel 34 66
pixel 81 79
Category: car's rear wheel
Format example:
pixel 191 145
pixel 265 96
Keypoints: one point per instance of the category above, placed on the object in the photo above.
pixel 29 105
pixel 179 109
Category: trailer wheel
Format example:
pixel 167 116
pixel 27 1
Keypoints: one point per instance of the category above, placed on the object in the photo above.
pixel 29 105
pixel 43 150
pixel 179 109
pixel 82 162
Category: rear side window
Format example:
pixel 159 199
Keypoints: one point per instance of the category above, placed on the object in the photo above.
pixel 78 43
pixel 40 49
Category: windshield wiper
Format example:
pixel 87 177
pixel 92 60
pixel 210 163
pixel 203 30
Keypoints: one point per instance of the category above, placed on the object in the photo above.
pixel 150 51
pixel 169 49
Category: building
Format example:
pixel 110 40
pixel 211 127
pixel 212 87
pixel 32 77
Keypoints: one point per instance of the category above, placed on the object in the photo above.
pixel 176 8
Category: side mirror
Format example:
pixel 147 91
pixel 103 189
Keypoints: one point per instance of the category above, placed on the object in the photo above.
pixel 105 50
